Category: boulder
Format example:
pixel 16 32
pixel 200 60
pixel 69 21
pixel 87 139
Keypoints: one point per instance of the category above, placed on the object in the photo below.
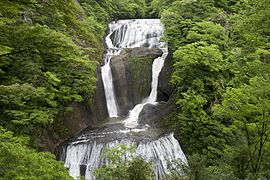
pixel 153 114
pixel 132 76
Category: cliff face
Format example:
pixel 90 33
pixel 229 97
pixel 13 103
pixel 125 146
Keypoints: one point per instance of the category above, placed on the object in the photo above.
pixel 164 88
pixel 132 76
pixel 132 73
pixel 82 115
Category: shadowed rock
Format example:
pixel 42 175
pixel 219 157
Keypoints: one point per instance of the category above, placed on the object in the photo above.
pixel 132 76
pixel 153 114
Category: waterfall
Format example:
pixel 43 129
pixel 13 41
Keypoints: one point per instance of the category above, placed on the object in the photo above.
pixel 130 34
pixel 132 120
pixel 106 74
pixel 82 155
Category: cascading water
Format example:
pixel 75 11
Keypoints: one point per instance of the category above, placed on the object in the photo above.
pixel 82 155
pixel 130 34
pixel 106 74
pixel 132 120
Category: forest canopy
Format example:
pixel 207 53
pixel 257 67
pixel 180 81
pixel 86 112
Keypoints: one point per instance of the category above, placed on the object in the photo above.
pixel 221 80
pixel 49 53
pixel 50 49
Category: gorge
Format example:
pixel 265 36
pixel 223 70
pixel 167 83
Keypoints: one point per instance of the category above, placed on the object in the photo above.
pixel 73 86
pixel 129 120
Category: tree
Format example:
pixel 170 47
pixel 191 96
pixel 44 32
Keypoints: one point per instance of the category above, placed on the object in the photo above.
pixel 19 162
pixel 198 66
pixel 45 70
pixel 197 80
pixel 44 66
pixel 208 32
pixel 123 164
pixel 252 27
pixel 209 59
pixel 247 108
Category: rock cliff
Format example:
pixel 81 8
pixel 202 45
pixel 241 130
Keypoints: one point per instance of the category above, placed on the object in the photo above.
pixel 132 73
pixel 132 76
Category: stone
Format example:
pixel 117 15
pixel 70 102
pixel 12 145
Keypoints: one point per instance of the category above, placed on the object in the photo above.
pixel 153 114
pixel 164 88
pixel 132 76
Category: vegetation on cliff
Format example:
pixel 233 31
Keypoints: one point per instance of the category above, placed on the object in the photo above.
pixel 220 77
pixel 19 162
pixel 49 51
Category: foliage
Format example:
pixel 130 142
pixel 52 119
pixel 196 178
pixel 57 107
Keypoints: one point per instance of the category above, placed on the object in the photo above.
pixel 208 32
pixel 251 28
pixel 19 162
pixel 44 64
pixel 247 107
pixel 220 78
pixel 196 67
pixel 49 52
pixel 197 128
pixel 110 9
pixel 196 169
pixel 123 164
pixel 196 76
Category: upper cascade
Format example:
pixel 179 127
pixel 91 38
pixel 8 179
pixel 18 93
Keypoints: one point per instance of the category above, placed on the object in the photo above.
pixel 136 33
pixel 127 34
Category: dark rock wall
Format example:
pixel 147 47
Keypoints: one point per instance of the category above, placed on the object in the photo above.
pixel 164 88
pixel 132 76
pixel 152 115
pixel 98 108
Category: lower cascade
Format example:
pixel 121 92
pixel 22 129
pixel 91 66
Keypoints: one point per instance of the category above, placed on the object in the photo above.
pixel 82 154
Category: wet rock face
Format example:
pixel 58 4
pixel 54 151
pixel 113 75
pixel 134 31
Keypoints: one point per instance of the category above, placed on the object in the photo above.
pixel 153 114
pixel 98 108
pixel 164 88
pixel 132 76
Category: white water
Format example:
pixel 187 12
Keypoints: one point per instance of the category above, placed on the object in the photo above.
pixel 138 34
pixel 131 34
pixel 83 156
pixel 161 152
pixel 106 74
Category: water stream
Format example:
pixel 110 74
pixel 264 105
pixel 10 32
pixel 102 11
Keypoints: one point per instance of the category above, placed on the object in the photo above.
pixel 82 154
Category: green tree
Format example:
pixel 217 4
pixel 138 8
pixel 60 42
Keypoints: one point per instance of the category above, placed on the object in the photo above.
pixel 208 32
pixel 48 69
pixel 199 66
pixel 219 45
pixel 19 162
pixel 123 164
pixel 46 62
pixel 252 27
pixel 195 170
pixel 247 107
